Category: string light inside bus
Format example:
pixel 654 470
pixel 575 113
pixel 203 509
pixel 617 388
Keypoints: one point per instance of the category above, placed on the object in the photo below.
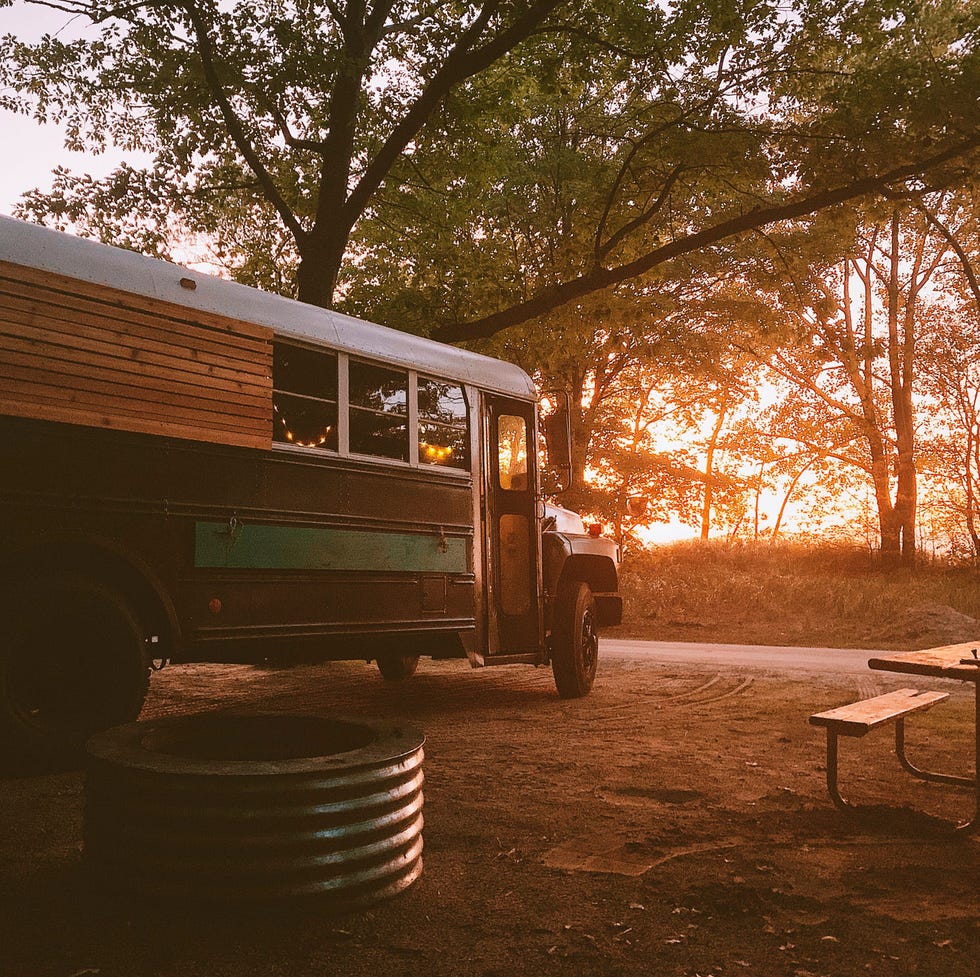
pixel 435 452
pixel 291 437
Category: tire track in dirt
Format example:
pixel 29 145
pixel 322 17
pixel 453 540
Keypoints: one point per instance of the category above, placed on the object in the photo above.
pixel 742 686
pixel 868 686
pixel 704 694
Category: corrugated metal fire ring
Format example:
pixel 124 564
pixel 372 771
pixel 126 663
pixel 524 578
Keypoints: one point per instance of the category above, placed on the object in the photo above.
pixel 242 808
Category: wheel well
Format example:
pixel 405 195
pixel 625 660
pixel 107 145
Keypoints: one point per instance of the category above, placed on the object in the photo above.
pixel 599 572
pixel 100 563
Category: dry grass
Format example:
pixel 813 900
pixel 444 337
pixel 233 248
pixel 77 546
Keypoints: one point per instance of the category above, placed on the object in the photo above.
pixel 831 596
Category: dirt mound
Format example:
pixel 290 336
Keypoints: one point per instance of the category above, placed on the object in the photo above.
pixel 926 626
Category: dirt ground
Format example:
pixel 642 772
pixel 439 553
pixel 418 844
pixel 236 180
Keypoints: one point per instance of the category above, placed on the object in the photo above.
pixel 675 822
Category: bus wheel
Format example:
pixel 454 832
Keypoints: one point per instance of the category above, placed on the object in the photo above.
pixel 574 640
pixel 397 668
pixel 72 662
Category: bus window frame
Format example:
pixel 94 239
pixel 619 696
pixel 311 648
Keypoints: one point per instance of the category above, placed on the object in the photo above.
pixel 343 450
pixel 466 427
pixel 349 407
pixel 317 450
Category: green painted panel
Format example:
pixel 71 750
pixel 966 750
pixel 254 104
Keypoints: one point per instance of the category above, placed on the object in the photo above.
pixel 299 548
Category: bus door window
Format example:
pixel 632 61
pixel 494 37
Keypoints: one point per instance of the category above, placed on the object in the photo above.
pixel 515 567
pixel 514 543
pixel 512 453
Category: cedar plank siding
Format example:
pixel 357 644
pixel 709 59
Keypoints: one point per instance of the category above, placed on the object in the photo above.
pixel 86 354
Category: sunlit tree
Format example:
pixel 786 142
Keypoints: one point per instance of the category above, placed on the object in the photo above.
pixel 854 368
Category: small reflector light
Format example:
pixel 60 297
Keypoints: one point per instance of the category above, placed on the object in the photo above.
pixel 188 283
pixel 595 529
pixel 214 605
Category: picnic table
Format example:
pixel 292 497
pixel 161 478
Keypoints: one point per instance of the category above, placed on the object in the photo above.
pixel 960 662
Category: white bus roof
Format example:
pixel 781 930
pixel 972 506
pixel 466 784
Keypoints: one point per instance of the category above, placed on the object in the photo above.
pixel 22 243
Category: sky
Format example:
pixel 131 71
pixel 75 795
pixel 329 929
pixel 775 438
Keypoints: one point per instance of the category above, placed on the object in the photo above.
pixel 32 151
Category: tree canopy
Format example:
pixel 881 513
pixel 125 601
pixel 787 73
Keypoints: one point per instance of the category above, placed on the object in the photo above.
pixel 686 125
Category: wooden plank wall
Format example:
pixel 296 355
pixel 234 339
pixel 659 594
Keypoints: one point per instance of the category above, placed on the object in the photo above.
pixel 85 354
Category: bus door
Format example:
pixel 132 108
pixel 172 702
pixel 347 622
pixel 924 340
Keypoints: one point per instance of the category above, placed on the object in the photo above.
pixel 512 575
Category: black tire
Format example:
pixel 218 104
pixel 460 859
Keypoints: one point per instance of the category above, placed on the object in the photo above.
pixel 222 808
pixel 397 668
pixel 574 640
pixel 72 662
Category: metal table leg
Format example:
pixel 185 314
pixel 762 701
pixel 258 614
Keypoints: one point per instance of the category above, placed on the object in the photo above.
pixel 835 794
pixel 946 778
pixel 971 825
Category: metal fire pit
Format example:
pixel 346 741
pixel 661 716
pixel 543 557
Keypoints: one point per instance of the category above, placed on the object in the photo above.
pixel 233 808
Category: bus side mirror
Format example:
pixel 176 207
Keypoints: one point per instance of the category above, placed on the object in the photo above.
pixel 558 434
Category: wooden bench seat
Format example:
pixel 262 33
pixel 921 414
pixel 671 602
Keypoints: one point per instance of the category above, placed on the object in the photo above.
pixel 859 718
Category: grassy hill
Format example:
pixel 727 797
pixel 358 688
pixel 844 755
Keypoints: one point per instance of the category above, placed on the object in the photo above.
pixel 792 594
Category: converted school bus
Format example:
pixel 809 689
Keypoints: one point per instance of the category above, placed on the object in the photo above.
pixel 195 470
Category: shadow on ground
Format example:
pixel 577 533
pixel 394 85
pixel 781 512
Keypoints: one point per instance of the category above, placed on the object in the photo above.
pixel 673 823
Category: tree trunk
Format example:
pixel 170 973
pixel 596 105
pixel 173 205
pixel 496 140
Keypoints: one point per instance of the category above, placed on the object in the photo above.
pixel 901 353
pixel 972 466
pixel 889 524
pixel 709 469
pixel 314 284
pixel 321 256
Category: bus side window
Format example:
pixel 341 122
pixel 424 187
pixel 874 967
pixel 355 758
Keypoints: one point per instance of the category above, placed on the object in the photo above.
pixel 443 424
pixel 512 453
pixel 304 397
pixel 378 411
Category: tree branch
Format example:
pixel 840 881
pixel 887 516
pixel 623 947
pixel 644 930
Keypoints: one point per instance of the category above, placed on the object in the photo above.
pixel 292 140
pixel 602 250
pixel 236 130
pixel 597 277
pixel 965 261
pixel 461 63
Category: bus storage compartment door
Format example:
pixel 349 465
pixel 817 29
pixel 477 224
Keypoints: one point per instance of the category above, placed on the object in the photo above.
pixel 432 593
